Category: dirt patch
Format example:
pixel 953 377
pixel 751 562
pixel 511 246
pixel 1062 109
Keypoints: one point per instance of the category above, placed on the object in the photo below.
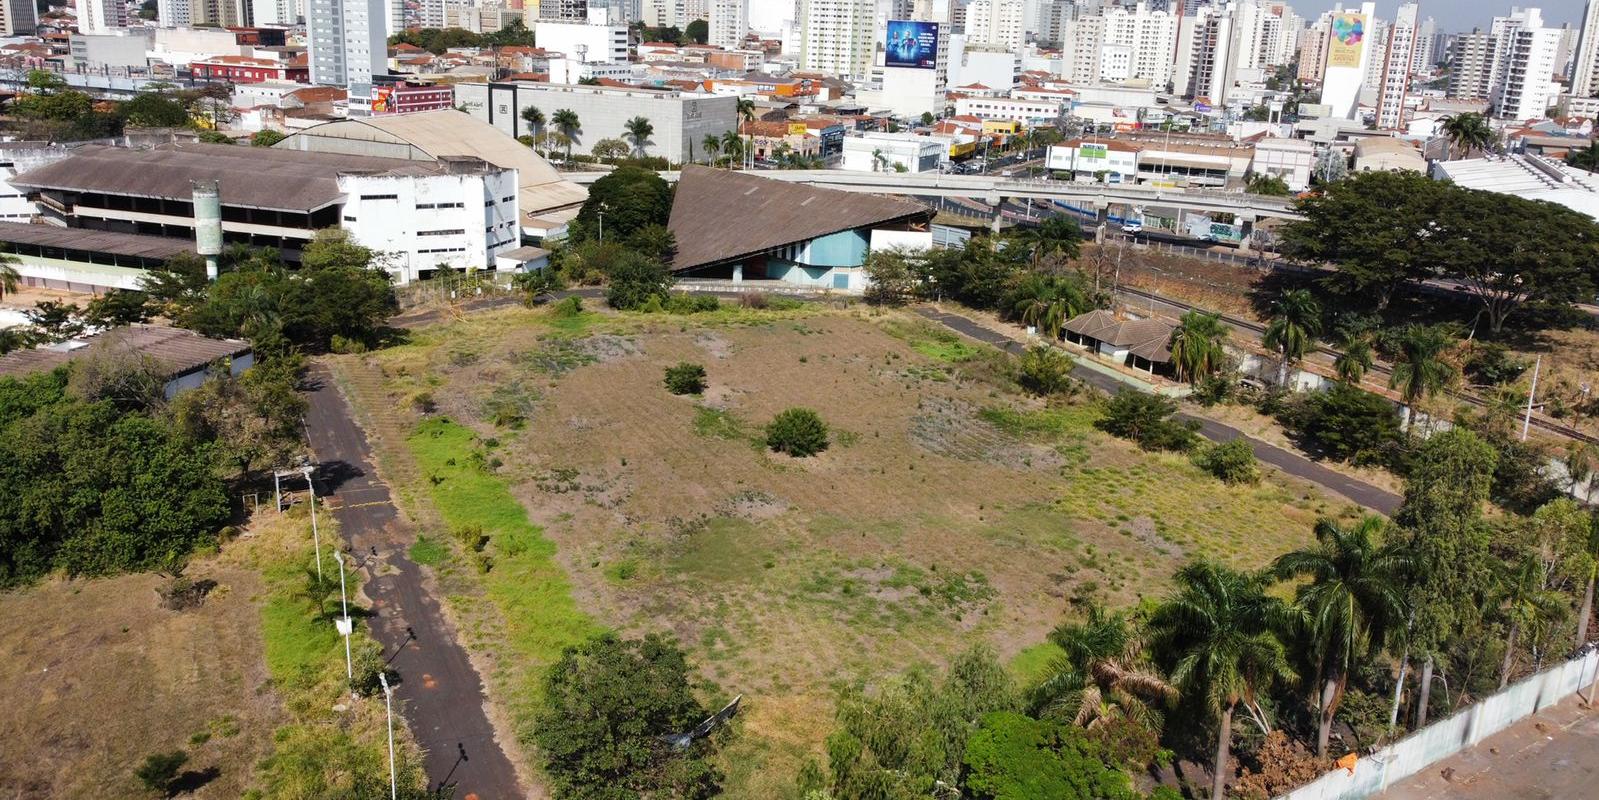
pixel 752 505
pixel 950 427
pixel 714 344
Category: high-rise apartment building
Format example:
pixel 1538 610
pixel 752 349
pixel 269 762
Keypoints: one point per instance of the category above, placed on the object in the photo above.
pixel 1397 61
pixel 1313 49
pixel 1471 66
pixel 1377 44
pixel 730 21
pixel 349 40
pixel 1528 55
pixel 995 22
pixel 101 16
pixel 1147 38
pixel 1423 56
pixel 837 36
pixel 18 17
pixel 1585 66
pixel 574 10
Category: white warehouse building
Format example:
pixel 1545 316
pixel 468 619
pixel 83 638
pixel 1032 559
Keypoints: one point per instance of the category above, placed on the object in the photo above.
pixel 893 152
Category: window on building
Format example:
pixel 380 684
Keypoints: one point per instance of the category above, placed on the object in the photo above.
pixel 448 232
pixel 380 197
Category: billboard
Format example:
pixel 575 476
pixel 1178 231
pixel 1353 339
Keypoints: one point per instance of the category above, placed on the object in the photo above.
pixel 1348 39
pixel 1096 151
pixel 911 43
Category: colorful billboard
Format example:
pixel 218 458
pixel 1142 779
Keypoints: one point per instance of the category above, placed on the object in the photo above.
pixel 911 44
pixel 1348 39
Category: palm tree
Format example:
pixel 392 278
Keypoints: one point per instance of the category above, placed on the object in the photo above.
pixel 1046 302
pixel 1101 677
pixel 711 145
pixel 534 119
pixel 565 120
pixel 1354 358
pixel 639 130
pixel 1215 636
pixel 1587 567
pixel 733 146
pixel 1352 606
pixel 1197 345
pixel 9 278
pixel 1421 370
pixel 1586 158
pixel 879 161
pixel 1295 324
pixel 746 114
pixel 1055 237
pixel 1528 604
pixel 1469 131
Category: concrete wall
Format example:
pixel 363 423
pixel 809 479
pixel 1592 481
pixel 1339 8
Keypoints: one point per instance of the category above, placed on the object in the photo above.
pixel 1444 738
pixel 680 121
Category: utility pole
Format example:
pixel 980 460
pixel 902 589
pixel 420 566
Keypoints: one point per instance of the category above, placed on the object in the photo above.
pixel 315 536
pixel 343 624
pixel 388 706
pixel 1526 421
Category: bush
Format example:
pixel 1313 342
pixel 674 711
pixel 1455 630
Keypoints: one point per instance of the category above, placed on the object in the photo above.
pixel 637 283
pixel 798 432
pixel 684 303
pixel 1146 419
pixel 567 308
pixel 1045 371
pixel 159 770
pixel 1012 757
pixel 685 378
pixel 1233 462
pixel 1346 423
pixel 1491 364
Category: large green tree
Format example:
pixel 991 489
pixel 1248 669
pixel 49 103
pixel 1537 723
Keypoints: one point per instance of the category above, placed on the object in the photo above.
pixel 1014 757
pixel 1422 370
pixel 1352 606
pixel 631 198
pixel 1198 346
pixel 1373 228
pixel 1216 637
pixel 1102 675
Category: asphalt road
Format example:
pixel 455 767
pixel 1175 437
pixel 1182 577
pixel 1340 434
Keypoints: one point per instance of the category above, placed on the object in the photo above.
pixel 1548 756
pixel 443 695
pixel 1289 462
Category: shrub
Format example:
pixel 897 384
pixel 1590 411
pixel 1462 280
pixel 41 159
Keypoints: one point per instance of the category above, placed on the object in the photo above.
pixel 685 378
pixel 797 432
pixel 1491 363
pixel 567 307
pixel 1232 461
pixel 1045 371
pixel 346 346
pixel 635 281
pixel 1347 423
pixel 684 303
pixel 159 770
pixel 1146 419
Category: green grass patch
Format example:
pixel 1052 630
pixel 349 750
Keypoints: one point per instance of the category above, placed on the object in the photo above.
pixel 724 549
pixel 714 423
pixel 1051 423
pixel 1032 663
pixel 532 592
pixel 429 552
pixel 297 642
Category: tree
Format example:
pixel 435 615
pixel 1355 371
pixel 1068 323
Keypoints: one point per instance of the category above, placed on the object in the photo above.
pixel 799 432
pixel 639 130
pixel 1056 239
pixel 566 122
pixel 733 147
pixel 1270 185
pixel 117 307
pixel 685 377
pixel 266 138
pixel 1013 757
pixel 1197 346
pixel 1353 359
pixel 1046 302
pixel 253 418
pixel 10 279
pixel 1045 371
pixel 55 321
pixel 1374 228
pixel 1421 370
pixel 1348 424
pixel 159 770
pixel 712 145
pixel 1215 637
pixel 1353 605
pixel 1101 676
pixel 634 280
pixel 1550 553
pixel 609 149
pixel 631 198
pixel 152 110
pixel 608 707
pixel 745 108
pixel 698 31
pixel 1587 158
pixel 928 118
pixel 1295 324
pixel 1146 419
pixel 1233 461
pixel 1468 132
pixel 534 117
pixel 890 276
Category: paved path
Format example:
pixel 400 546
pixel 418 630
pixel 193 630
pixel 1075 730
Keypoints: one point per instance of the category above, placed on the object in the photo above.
pixel 1288 461
pixel 1553 755
pixel 442 692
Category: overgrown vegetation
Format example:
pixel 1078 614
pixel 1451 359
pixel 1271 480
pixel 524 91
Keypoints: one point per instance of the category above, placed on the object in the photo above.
pixel 685 378
pixel 1147 420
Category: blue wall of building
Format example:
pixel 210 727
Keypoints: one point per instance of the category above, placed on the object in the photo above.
pixel 842 249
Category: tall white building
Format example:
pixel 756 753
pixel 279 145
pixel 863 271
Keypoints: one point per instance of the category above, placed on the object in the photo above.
pixel 1377 37
pixel 575 10
pixel 593 41
pixel 1123 44
pixel 1422 56
pixel 349 41
pixel 1528 55
pixel 730 22
pixel 101 16
pixel 18 18
pixel 1585 67
pixel 1398 58
pixel 837 36
pixel 995 22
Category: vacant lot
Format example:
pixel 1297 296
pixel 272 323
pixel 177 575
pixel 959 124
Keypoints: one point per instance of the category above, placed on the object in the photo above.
pixel 947 511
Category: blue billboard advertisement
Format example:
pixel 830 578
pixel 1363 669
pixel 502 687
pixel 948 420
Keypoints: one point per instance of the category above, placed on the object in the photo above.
pixel 911 44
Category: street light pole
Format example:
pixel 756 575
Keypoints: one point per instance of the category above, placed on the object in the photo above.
pixel 316 537
pixel 388 706
pixel 344 625
pixel 1526 421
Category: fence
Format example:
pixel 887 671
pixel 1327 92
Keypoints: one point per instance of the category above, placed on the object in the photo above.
pixel 1444 738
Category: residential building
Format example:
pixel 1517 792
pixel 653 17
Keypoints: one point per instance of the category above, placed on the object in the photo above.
pixel 837 36
pixel 1526 87
pixel 455 213
pixel 729 22
pixel 592 40
pixel 348 41
pixel 1471 67
pixel 18 17
pixel 681 120
pixel 101 16
pixel 879 151
pixel 1026 112
pixel 1585 65
pixel 247 69
pixel 1399 58
pixel 179 13
pixel 742 226
pixel 1313 49
pixel 995 22
pixel 573 10
pixel 1422 56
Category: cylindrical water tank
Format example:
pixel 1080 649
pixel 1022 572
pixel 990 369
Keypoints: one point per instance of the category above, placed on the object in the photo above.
pixel 208 223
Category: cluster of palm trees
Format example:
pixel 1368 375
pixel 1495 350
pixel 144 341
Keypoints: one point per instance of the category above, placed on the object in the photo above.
pixel 1225 643
pixel 567 129
pixel 1469 133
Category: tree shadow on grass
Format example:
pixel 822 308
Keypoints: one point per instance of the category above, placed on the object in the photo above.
pixel 190 781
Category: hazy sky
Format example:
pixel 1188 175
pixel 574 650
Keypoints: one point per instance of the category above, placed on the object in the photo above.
pixel 1453 16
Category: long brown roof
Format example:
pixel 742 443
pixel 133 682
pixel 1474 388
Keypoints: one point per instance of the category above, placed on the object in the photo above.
pixel 719 216
pixel 176 350
pixel 255 177
pixel 122 244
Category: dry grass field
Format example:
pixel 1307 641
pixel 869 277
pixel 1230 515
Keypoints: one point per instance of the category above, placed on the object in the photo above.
pixel 947 511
